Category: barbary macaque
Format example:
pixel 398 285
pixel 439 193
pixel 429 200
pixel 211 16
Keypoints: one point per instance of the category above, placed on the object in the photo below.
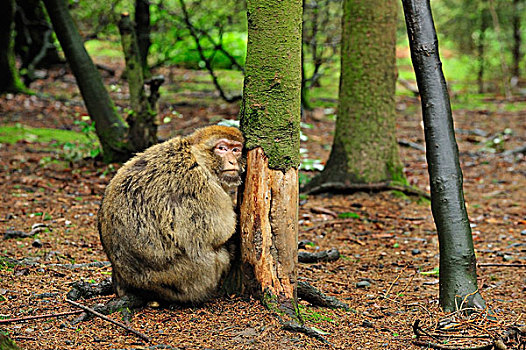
pixel 167 215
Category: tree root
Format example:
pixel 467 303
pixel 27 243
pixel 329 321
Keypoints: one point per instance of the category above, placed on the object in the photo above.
pixel 316 297
pixel 323 256
pixel 352 187
pixel 296 327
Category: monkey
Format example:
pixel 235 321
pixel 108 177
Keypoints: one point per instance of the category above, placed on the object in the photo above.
pixel 167 215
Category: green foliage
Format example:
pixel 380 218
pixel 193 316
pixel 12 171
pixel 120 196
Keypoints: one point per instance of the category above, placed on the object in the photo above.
pixel 313 316
pixel 75 151
pixel 216 23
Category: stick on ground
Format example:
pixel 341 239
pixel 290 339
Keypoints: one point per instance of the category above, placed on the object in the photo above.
pixel 98 314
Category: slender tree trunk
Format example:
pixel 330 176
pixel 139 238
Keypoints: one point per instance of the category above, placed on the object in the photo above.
pixel 143 130
pixel 458 277
pixel 110 127
pixel 34 39
pixel 142 28
pixel 9 78
pixel 365 148
pixel 503 64
pixel 517 38
pixel 270 120
pixel 480 51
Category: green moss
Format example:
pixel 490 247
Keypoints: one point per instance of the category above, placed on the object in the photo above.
pixel 270 116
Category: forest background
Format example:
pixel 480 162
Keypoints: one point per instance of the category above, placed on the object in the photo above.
pixel 54 180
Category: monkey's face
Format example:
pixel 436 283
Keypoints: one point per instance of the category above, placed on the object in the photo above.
pixel 229 155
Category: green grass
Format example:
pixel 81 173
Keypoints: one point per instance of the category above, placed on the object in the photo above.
pixel 104 48
pixel 13 134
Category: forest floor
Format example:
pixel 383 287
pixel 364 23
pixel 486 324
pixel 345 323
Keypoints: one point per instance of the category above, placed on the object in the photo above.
pixel 387 240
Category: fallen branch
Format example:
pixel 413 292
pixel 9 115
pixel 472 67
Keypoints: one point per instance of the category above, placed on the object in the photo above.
pixel 411 144
pixel 78 266
pixel 520 149
pixel 501 265
pixel 430 345
pixel 122 325
pixel 380 186
pixel 36 317
pixel 325 255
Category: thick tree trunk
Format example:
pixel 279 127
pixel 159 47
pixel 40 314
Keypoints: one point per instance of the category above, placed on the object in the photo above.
pixel 270 120
pixel 9 78
pixel 458 277
pixel 365 148
pixel 143 130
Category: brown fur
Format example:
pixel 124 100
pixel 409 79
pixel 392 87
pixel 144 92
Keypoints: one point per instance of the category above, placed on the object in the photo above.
pixel 165 219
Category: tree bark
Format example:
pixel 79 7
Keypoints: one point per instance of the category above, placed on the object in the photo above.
pixel 110 127
pixel 142 28
pixel 458 278
pixel 143 130
pixel 270 120
pixel 517 38
pixel 365 148
pixel 34 39
pixel 9 78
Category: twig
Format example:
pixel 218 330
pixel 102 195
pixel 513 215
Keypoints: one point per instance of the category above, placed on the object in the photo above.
pixel 35 317
pixel 406 143
pixel 501 265
pixel 430 345
pixel 206 60
pixel 329 223
pixel 393 283
pixel 98 314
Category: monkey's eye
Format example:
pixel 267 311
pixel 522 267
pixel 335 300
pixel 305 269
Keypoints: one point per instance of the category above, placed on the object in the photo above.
pixel 222 148
pixel 236 150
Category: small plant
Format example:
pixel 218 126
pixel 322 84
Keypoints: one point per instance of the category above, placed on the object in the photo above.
pixel 75 151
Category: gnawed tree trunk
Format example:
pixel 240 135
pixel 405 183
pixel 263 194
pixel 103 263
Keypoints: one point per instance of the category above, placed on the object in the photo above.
pixel 9 78
pixel 458 277
pixel 364 149
pixel 270 120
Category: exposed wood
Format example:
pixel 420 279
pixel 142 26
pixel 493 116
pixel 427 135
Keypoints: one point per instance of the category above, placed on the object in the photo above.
pixel 269 226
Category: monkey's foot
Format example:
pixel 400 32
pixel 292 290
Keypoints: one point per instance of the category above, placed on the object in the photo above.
pixel 316 297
